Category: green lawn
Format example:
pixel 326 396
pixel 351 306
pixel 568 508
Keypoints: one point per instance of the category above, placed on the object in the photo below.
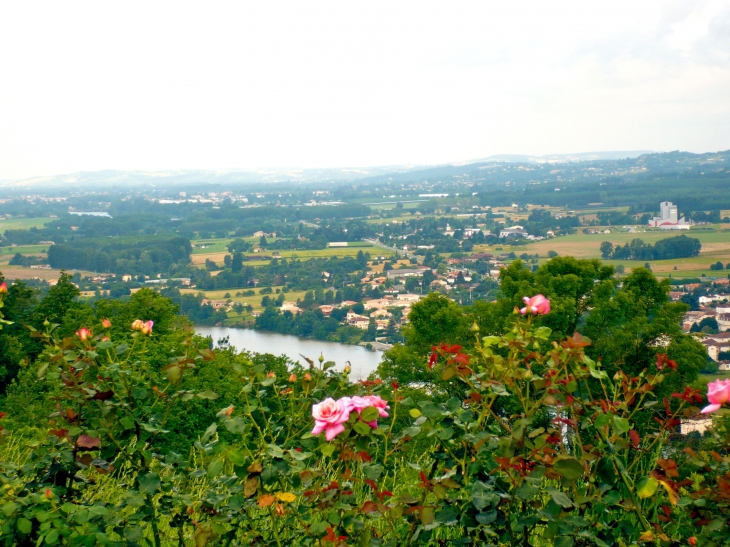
pixel 24 223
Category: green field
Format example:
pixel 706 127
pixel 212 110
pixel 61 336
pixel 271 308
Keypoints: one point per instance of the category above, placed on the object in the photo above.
pixel 715 247
pixel 23 223
pixel 210 245
pixel 24 250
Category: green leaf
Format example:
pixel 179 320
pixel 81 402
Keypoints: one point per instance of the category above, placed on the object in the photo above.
pixel 149 483
pixel 24 525
pixel 570 468
pixel 121 348
pixel 602 420
pixel 236 425
pixel 235 456
pixel 212 428
pixel 373 472
pixel 269 474
pixel 414 412
pixel 646 487
pixel 564 541
pixel 361 428
pixel 621 425
pixel 52 537
pixel 139 392
pixel 445 433
pixel 215 467
pixel 9 508
pixel 559 497
pixel 208 394
pixel 327 449
pixel 448 373
pixel 370 414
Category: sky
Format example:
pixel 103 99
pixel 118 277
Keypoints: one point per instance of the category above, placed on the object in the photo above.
pixel 170 85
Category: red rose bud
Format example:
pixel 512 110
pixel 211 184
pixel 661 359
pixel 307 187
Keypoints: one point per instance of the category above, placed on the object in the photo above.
pixel 84 333
pixel 292 377
pixel 3 287
pixel 49 494
pixel 106 323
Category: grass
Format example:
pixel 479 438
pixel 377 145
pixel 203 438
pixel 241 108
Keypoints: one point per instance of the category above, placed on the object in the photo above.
pixel 24 223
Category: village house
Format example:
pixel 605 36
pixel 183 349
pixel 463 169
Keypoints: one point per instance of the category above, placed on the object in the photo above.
pixel 716 344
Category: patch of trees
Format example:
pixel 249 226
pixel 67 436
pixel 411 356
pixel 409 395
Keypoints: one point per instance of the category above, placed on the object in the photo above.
pixel 309 323
pixel 146 255
pixel 664 249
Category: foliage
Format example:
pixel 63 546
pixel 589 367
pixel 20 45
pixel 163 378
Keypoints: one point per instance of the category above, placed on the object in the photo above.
pixel 664 249
pixel 123 255
pixel 565 465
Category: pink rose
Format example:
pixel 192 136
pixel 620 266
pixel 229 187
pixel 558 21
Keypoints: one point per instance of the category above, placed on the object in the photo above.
pixel 538 305
pixel 718 393
pixel 329 415
pixel 357 403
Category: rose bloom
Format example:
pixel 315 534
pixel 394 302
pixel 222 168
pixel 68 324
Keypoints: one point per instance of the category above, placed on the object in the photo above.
pixel 538 305
pixel 147 327
pixel 84 333
pixel 718 393
pixel 137 324
pixel 358 403
pixel 3 287
pixel 329 415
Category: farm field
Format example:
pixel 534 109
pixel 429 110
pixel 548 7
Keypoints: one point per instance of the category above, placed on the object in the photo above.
pixel 255 301
pixel 218 256
pixel 24 223
pixel 715 247
pixel 24 250
pixel 13 272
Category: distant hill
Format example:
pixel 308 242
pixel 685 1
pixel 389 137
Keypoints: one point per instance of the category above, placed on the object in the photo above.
pixel 501 168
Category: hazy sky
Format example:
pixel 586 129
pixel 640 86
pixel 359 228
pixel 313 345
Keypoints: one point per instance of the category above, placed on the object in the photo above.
pixel 245 84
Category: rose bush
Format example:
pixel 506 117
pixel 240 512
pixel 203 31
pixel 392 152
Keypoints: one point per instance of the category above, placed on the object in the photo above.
pixel 541 450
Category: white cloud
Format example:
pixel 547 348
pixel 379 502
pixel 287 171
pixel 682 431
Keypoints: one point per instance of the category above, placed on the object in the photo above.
pixel 166 85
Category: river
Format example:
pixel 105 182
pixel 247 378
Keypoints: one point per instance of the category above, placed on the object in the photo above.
pixel 362 361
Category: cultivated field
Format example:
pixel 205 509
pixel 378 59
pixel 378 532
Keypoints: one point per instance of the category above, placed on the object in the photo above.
pixel 14 272
pixel 23 223
pixel 715 247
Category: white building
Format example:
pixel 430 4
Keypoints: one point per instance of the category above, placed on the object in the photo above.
pixel 668 218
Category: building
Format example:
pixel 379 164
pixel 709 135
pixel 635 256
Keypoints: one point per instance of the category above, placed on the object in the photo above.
pixel 690 425
pixel 668 218
pixel 405 272
pixel 513 231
